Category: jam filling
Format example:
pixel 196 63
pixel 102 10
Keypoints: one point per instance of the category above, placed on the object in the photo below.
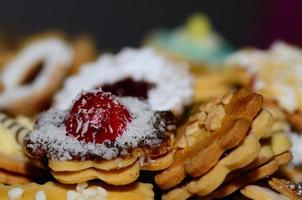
pixel 129 87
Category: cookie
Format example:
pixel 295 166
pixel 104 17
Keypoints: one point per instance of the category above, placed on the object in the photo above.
pixel 279 189
pixel 274 73
pixel 10 178
pixel 261 193
pixel 230 125
pixel 214 178
pixel 32 77
pixel 290 190
pixel 238 158
pixel 102 137
pixel 216 83
pixel 55 191
pixel 250 177
pixel 260 152
pixel 122 176
pixel 266 155
pixel 276 145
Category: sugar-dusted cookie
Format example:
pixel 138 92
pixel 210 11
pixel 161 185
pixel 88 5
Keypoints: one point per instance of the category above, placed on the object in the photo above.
pixel 102 137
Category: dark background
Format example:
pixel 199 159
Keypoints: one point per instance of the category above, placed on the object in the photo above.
pixel 122 23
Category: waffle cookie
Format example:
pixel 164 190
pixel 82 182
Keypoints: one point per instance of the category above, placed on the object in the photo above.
pixel 226 145
pixel 102 137
pixel 91 191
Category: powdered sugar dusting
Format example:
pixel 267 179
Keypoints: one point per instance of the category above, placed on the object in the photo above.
pixel 50 134
pixel 54 53
pixel 142 126
pixel 173 83
pixel 83 192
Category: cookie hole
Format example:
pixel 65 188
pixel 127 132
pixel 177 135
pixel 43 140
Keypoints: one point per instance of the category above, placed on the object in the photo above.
pixel 31 75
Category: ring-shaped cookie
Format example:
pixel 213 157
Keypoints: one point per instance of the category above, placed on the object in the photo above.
pixel 33 76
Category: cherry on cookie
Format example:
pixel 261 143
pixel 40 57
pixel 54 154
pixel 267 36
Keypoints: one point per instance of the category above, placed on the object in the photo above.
pixel 97 116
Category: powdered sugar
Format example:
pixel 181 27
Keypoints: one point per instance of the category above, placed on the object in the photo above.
pixel 142 126
pixel 40 195
pixel 83 192
pixel 50 134
pixel 173 83
pixel 15 193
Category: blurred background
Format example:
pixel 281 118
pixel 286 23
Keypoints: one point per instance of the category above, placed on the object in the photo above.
pixel 115 24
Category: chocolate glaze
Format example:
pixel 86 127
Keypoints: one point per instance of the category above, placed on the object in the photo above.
pixel 165 118
pixel 129 87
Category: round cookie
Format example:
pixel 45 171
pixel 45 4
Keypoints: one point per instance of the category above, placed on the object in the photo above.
pixel 144 73
pixel 102 137
pixel 34 74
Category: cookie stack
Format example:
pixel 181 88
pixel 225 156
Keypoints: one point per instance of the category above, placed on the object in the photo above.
pixel 123 123
pixel 226 145
pixel 119 171
pixel 75 153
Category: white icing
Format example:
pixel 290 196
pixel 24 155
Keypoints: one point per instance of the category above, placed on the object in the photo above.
pixel 84 193
pixel 174 84
pixel 15 193
pixel 54 53
pixel 278 72
pixel 50 133
pixel 40 195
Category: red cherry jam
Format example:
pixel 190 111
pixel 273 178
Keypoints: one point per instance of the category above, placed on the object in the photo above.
pixel 129 87
pixel 97 116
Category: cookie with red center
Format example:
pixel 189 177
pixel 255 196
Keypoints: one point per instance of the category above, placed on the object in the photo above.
pixel 100 126
pixel 96 117
pixel 101 134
